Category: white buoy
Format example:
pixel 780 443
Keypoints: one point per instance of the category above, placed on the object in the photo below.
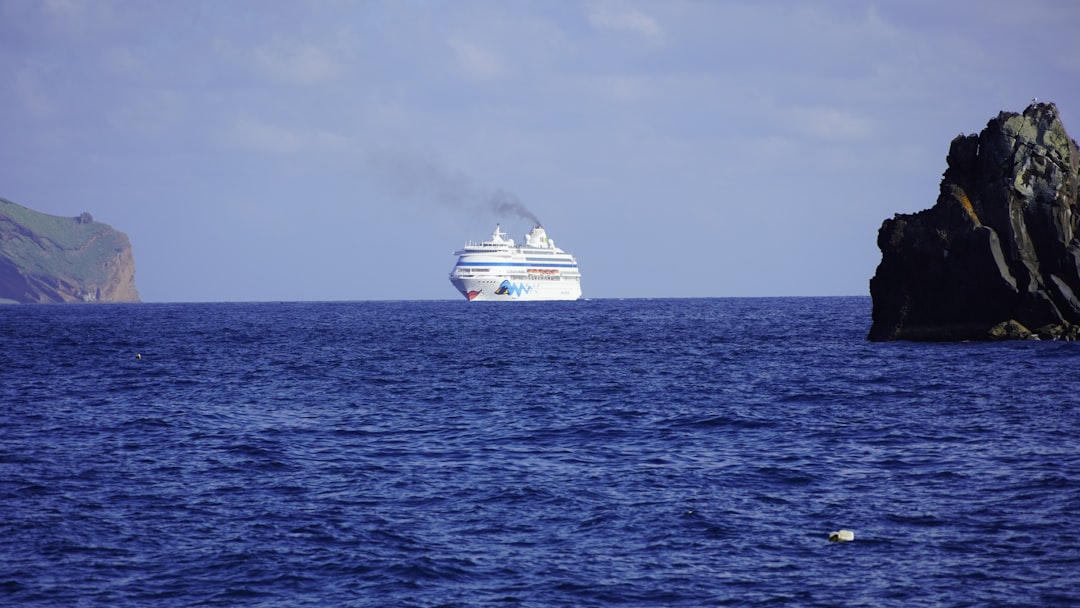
pixel 841 535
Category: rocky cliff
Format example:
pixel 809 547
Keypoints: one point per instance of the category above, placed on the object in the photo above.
pixel 997 256
pixel 45 258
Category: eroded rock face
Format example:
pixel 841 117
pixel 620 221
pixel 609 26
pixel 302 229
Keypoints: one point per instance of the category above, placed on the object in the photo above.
pixel 999 249
pixel 45 258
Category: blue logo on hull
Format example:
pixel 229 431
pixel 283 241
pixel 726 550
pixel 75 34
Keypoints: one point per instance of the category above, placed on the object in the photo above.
pixel 513 289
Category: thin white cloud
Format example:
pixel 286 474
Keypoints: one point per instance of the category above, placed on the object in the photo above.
pixel 29 91
pixel 257 136
pixel 122 61
pixel 832 124
pixel 623 88
pixel 617 17
pixel 149 113
pixel 66 13
pixel 476 62
pixel 299 64
pixel 81 18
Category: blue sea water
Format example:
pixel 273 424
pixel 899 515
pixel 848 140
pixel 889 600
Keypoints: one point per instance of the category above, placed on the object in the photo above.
pixel 689 452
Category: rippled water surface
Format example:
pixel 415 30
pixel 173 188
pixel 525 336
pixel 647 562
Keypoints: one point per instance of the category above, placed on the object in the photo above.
pixel 593 453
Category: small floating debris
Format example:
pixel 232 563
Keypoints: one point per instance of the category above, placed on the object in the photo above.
pixel 841 536
pixel 138 356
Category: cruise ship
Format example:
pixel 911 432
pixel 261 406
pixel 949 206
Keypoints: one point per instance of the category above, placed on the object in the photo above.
pixel 499 270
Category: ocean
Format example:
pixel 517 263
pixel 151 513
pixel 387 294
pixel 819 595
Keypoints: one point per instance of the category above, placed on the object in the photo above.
pixel 641 452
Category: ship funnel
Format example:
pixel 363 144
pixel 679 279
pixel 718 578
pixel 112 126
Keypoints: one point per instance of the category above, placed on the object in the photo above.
pixel 537 237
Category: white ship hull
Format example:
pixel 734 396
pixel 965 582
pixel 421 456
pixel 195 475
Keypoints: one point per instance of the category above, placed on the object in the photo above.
pixel 497 270
pixel 511 287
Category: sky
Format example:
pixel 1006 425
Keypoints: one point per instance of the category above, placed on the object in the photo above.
pixel 314 150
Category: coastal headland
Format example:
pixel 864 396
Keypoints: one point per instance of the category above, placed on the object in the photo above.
pixel 51 259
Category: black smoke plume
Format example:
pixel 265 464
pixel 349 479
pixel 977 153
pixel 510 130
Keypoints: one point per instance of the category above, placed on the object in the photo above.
pixel 505 203
pixel 424 179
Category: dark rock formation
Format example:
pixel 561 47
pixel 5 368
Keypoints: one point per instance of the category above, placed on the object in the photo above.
pixel 998 255
pixel 45 258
